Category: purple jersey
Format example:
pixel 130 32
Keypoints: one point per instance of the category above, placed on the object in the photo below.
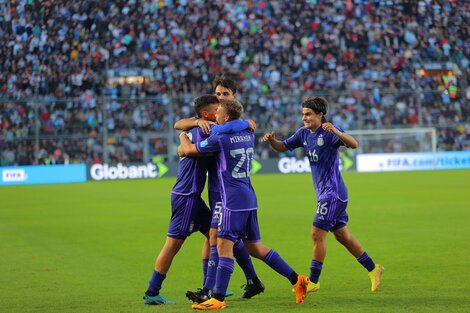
pixel 227 128
pixel 213 182
pixel 192 171
pixel 322 150
pixel 234 167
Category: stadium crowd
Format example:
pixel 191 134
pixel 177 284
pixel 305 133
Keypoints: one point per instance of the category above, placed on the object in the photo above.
pixel 364 55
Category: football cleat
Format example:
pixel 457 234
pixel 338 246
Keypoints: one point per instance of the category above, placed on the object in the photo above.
pixel 300 288
pixel 375 276
pixel 211 304
pixel 252 290
pixel 311 287
pixel 156 300
pixel 199 296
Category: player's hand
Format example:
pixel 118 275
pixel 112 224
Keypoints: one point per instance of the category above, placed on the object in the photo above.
pixel 269 136
pixel 252 125
pixel 205 126
pixel 330 128
pixel 180 152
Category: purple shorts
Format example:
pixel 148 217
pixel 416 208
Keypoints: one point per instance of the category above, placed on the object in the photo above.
pixel 216 206
pixel 239 225
pixel 331 214
pixel 188 215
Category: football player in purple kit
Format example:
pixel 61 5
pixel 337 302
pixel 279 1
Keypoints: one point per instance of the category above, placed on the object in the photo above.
pixel 239 205
pixel 189 211
pixel 321 141
pixel 225 89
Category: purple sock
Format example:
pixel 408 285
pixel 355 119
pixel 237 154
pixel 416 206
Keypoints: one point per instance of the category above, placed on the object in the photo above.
pixel 244 260
pixel 366 261
pixel 224 272
pixel 155 283
pixel 315 270
pixel 204 270
pixel 209 283
pixel 274 260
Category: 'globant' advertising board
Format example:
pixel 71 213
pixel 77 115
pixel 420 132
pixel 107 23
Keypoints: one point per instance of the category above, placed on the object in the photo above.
pixel 120 171
pixel 43 174
pixel 386 162
pixel 293 165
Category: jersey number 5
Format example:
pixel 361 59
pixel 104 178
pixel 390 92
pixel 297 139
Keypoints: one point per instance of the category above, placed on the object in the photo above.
pixel 245 155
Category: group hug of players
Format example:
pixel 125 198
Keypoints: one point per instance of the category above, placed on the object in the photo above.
pixel 219 145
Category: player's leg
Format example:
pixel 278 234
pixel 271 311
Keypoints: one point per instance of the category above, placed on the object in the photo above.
pixel 226 259
pixel 205 255
pixel 224 273
pixel 350 242
pixel 258 250
pixel 216 205
pixel 272 259
pixel 232 225
pixel 213 260
pixel 319 243
pixel 171 247
pixel 319 231
pixel 355 248
pixel 318 257
pixel 162 265
pixel 253 285
pixel 203 294
pixel 277 263
pixel 226 224
pixel 187 217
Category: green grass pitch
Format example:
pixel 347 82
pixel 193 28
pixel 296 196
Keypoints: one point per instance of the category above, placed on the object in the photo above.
pixel 91 247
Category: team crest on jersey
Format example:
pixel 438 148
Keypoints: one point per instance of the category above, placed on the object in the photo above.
pixel 320 141
pixel 203 143
pixel 305 143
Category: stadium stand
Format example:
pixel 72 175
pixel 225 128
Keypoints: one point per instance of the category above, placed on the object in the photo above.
pixel 381 63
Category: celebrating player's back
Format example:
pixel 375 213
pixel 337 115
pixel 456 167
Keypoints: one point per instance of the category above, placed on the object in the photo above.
pixel 234 172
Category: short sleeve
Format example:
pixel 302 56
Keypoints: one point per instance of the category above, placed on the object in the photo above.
pixel 295 141
pixel 209 145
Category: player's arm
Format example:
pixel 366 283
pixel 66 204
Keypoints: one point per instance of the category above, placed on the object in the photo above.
pixel 273 142
pixel 188 123
pixel 234 127
pixel 348 140
pixel 207 147
pixel 187 147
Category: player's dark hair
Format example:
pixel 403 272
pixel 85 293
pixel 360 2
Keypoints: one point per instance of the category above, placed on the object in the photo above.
pixel 317 104
pixel 203 102
pixel 226 83
pixel 233 108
